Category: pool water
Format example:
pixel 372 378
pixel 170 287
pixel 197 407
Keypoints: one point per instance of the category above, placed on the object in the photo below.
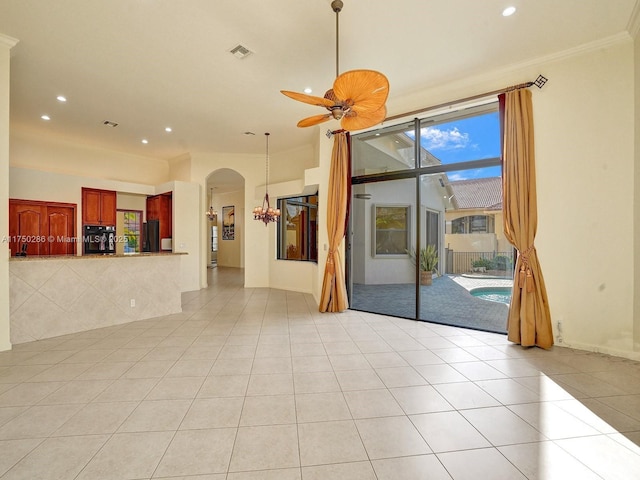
pixel 495 294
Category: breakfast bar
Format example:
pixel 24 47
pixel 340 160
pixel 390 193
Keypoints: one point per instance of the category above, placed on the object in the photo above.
pixel 59 295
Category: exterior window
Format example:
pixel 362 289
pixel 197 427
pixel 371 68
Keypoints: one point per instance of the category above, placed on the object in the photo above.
pixel 391 230
pixel 132 222
pixel 473 224
pixel 297 229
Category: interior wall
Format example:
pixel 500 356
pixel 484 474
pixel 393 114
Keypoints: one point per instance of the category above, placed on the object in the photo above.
pixel 128 201
pixel 6 43
pixel 186 232
pixel 27 184
pixel 53 155
pixel 289 165
pixel 180 168
pixel 584 121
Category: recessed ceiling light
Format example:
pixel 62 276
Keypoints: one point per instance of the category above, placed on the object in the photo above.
pixel 61 98
pixel 307 90
pixel 507 12
pixel 45 117
pixel 168 129
pixel 145 141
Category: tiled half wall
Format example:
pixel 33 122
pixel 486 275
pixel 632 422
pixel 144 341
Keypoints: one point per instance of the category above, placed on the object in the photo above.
pixel 57 296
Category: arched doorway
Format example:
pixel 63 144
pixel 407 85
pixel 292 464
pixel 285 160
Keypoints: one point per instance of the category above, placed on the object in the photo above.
pixel 224 194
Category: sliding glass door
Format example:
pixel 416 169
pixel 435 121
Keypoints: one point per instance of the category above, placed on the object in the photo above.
pixel 425 239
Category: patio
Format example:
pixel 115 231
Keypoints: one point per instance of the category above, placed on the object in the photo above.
pixel 447 302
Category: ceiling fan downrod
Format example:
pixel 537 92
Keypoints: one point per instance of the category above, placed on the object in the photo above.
pixel 336 6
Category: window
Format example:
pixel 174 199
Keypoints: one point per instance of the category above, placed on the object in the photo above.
pixel 132 222
pixel 473 224
pixel 391 230
pixel 297 230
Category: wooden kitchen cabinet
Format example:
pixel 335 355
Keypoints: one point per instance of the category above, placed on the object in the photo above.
pixel 98 207
pixel 159 207
pixel 42 228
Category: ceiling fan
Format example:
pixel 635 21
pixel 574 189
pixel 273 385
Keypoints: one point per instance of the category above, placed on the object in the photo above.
pixel 357 98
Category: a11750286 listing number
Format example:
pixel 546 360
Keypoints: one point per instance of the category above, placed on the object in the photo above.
pixel 58 238
pixel 27 238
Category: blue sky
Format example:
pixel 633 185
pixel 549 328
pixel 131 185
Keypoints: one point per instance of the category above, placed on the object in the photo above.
pixel 473 138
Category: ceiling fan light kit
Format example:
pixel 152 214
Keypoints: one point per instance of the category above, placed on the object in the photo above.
pixel 357 98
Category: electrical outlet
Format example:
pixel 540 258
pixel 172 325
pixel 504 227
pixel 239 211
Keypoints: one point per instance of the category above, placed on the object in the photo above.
pixel 132 302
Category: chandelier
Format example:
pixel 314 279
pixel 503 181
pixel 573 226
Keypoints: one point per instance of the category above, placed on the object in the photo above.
pixel 266 213
pixel 211 214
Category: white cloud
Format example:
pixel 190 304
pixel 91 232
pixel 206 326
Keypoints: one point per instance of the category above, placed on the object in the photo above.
pixel 465 175
pixel 454 177
pixel 436 139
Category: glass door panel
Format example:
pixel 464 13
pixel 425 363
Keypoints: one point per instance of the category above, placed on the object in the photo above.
pixel 463 218
pixel 455 137
pixel 383 151
pixel 382 271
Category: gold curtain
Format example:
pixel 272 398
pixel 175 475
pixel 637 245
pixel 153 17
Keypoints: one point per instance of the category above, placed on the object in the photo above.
pixel 529 319
pixel 334 290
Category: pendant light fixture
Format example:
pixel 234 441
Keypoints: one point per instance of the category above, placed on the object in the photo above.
pixel 211 214
pixel 266 213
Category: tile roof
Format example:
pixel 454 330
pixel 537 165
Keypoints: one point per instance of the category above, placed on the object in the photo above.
pixel 478 193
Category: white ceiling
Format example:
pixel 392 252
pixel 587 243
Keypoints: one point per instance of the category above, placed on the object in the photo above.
pixel 147 64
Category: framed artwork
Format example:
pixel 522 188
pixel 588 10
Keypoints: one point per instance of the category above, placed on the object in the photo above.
pixel 390 230
pixel 228 223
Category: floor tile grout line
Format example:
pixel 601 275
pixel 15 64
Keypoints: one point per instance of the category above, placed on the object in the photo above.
pixel 343 322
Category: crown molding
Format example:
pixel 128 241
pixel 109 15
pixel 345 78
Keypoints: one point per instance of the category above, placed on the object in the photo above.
pixel 8 41
pixel 633 26
pixel 599 44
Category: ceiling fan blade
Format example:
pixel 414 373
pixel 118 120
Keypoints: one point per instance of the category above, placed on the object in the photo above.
pixel 360 119
pixel 315 120
pixel 311 99
pixel 367 89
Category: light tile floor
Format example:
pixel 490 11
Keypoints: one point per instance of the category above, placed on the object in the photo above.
pixel 256 384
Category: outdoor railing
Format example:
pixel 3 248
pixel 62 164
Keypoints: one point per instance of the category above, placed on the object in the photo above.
pixel 462 262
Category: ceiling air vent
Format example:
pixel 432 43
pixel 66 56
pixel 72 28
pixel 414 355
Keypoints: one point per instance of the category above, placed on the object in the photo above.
pixel 240 51
pixel 110 124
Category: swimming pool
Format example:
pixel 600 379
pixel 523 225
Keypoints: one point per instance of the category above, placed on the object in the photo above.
pixel 493 294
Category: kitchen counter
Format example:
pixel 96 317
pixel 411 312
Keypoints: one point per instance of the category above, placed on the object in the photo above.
pixel 58 295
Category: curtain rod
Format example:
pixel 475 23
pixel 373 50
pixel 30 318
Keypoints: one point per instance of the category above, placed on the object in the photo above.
pixel 538 82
